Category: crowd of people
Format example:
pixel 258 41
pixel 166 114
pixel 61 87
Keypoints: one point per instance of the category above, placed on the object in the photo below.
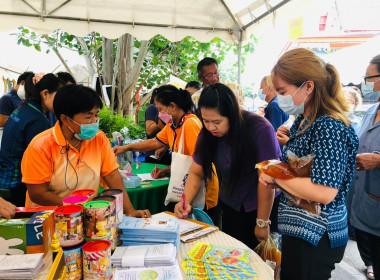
pixel 52 145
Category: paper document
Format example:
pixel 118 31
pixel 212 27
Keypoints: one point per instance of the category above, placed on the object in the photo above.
pixel 145 255
pixel 153 272
pixel 185 226
pixel 148 177
pixel 20 266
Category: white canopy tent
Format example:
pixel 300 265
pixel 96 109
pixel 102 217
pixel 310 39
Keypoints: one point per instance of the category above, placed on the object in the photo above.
pixel 230 20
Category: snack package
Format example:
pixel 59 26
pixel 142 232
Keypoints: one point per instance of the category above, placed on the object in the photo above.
pixel 297 167
pixel 270 253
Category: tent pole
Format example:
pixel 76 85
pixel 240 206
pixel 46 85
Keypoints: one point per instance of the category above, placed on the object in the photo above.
pixel 239 54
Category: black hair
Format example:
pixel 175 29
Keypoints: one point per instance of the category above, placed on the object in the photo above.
pixel 194 84
pixel 205 62
pixel 24 76
pixel 154 93
pixel 376 60
pixel 221 98
pixel 48 82
pixel 74 99
pixel 169 93
pixel 65 77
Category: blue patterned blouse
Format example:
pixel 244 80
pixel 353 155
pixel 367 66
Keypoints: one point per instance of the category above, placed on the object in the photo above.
pixel 335 147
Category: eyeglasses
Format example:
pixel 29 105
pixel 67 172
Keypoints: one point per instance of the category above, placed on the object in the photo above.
pixel 210 76
pixel 370 77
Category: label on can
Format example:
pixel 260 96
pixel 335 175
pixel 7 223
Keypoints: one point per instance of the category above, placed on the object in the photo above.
pixel 69 225
pixel 97 260
pixel 73 261
pixel 97 219
pixel 119 202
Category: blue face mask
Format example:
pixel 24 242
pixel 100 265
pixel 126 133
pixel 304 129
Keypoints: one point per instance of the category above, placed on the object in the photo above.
pixel 287 105
pixel 261 95
pixel 87 131
pixel 367 90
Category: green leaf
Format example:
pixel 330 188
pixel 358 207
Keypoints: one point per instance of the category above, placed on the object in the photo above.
pixel 26 31
pixel 37 47
pixel 155 60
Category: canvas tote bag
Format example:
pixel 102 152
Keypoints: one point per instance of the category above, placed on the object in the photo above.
pixel 180 167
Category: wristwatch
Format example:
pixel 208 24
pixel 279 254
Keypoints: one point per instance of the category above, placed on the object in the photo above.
pixel 262 224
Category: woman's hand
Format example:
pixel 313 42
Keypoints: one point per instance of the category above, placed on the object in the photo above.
pixel 262 233
pixel 179 210
pixel 282 138
pixel 119 150
pixel 283 130
pixel 158 173
pixel 266 180
pixel 7 209
pixel 159 153
pixel 139 213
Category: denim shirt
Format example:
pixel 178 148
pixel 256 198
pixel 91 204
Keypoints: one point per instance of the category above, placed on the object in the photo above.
pixel 334 146
pixel 365 210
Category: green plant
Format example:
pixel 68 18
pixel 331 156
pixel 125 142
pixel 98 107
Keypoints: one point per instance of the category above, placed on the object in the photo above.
pixel 109 123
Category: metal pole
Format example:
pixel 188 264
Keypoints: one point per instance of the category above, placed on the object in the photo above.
pixel 239 54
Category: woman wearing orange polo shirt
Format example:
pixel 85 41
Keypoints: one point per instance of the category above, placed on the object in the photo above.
pixel 74 154
pixel 177 103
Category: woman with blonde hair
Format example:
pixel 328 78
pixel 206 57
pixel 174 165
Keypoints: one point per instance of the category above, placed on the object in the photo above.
pixel 310 88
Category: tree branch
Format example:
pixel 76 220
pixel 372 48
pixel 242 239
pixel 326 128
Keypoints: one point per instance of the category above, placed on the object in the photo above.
pixel 58 54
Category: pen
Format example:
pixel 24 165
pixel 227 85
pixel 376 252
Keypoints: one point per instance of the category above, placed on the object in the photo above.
pixel 184 204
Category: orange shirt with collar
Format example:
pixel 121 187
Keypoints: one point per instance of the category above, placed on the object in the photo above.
pixel 190 125
pixel 45 161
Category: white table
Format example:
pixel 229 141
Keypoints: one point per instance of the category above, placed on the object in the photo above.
pixel 218 238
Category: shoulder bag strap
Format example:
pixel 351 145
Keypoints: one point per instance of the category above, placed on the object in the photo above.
pixel 181 141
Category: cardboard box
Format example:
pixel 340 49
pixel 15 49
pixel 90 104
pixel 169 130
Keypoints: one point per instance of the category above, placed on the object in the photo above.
pixel 28 232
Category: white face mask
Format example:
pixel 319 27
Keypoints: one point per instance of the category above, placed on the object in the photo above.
pixel 21 92
pixel 286 103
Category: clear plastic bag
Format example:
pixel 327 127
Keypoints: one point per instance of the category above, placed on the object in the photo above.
pixel 270 252
pixel 297 167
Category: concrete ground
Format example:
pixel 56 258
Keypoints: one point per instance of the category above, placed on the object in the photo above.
pixel 351 267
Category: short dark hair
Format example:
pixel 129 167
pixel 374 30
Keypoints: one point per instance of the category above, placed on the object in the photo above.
pixel 376 60
pixel 48 82
pixel 194 84
pixel 169 93
pixel 24 76
pixel 74 99
pixel 205 62
pixel 65 77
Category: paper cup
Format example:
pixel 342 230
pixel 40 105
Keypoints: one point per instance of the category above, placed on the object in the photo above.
pixel 69 225
pixel 73 261
pixel 75 200
pixel 97 219
pixel 119 202
pixel 97 260
pixel 87 192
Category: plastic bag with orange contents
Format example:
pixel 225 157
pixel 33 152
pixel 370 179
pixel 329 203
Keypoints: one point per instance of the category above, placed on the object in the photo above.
pixel 270 252
pixel 297 167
